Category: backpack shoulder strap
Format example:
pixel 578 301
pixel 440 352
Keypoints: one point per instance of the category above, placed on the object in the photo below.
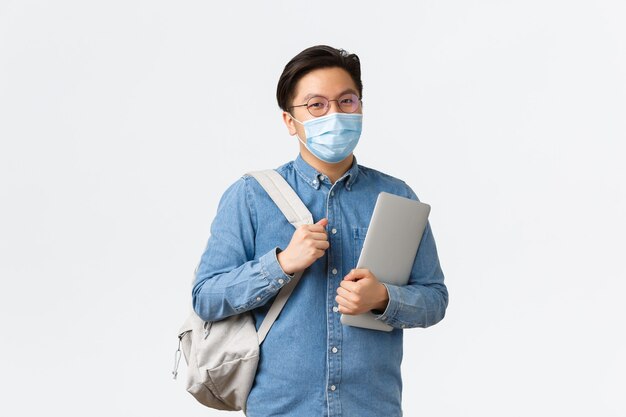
pixel 284 196
pixel 297 214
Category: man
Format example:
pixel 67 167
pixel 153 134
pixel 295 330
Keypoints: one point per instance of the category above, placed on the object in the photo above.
pixel 310 364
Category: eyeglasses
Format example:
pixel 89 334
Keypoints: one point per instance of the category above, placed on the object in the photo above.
pixel 318 105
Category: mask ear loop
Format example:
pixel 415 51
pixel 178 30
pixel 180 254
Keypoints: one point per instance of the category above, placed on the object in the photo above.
pixel 298 136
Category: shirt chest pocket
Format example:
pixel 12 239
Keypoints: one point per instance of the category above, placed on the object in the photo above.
pixel 358 235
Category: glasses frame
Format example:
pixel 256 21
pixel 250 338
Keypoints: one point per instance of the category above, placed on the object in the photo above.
pixel 360 103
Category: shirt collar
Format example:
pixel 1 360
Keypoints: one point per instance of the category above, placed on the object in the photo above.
pixel 314 178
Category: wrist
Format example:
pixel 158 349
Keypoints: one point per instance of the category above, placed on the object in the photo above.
pixel 383 298
pixel 280 257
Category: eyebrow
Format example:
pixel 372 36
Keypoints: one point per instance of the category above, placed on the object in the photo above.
pixel 347 90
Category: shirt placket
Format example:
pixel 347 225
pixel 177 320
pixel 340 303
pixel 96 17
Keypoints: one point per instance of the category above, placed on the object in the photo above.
pixel 334 275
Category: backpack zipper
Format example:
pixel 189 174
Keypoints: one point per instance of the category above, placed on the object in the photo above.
pixel 177 356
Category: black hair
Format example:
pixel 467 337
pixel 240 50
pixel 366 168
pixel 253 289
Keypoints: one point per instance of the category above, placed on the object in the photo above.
pixel 315 57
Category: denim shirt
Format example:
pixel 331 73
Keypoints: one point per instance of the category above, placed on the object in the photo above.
pixel 310 364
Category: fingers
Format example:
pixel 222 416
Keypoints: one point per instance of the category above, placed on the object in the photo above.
pixel 348 295
pixel 315 240
pixel 315 228
pixel 350 286
pixel 316 249
pixel 304 233
pixel 318 236
pixel 321 244
pixel 345 303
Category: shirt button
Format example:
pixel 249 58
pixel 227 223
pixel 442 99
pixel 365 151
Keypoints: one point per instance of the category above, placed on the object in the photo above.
pixel 334 271
pixel 334 349
pixel 258 298
pixel 335 309
pixel 314 182
pixel 332 193
pixel 334 231
pixel 332 387
pixel 281 281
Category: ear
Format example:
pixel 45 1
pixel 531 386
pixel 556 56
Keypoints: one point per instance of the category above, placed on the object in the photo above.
pixel 291 125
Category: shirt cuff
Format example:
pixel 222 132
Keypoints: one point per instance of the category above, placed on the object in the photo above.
pixel 388 316
pixel 272 270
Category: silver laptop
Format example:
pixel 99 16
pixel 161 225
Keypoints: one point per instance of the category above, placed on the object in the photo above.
pixel 390 247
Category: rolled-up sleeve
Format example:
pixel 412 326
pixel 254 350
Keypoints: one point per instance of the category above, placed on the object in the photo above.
pixel 423 301
pixel 228 279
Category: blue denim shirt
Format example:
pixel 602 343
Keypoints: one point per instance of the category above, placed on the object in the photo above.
pixel 310 364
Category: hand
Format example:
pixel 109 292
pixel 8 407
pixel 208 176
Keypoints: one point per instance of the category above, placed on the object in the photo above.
pixel 360 291
pixel 308 243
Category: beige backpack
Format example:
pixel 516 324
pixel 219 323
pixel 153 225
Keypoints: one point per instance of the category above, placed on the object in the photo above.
pixel 222 356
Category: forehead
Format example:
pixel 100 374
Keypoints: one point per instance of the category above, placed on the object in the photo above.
pixel 327 82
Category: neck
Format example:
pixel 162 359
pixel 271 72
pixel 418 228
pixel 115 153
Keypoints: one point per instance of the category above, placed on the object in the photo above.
pixel 332 171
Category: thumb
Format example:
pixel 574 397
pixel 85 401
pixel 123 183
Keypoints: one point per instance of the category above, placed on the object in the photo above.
pixel 323 222
pixel 355 275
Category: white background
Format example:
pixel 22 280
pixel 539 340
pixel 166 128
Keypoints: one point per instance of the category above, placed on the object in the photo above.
pixel 122 122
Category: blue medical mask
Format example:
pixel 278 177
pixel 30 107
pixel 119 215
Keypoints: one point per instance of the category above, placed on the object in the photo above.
pixel 333 137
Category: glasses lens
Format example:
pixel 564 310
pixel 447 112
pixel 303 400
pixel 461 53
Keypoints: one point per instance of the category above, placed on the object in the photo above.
pixel 349 103
pixel 317 106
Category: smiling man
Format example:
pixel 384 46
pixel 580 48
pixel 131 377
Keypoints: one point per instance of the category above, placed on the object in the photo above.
pixel 311 364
